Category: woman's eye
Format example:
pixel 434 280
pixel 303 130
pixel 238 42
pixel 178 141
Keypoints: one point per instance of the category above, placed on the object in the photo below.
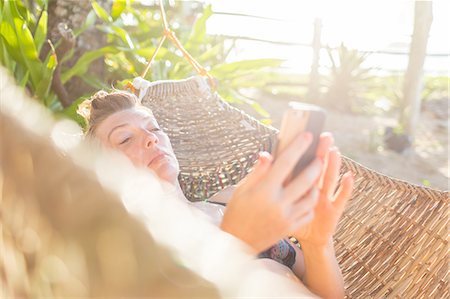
pixel 154 129
pixel 124 140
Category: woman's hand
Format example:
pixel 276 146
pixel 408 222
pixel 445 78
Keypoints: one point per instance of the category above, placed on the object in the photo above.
pixel 331 204
pixel 262 210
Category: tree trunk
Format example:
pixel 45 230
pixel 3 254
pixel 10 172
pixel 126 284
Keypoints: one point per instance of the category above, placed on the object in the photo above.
pixel 73 14
pixel 423 17
pixel 314 77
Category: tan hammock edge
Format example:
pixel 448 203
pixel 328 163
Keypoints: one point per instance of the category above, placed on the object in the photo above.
pixel 393 239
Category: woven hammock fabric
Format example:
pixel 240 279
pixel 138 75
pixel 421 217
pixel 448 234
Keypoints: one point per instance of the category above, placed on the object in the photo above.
pixel 392 241
pixel 215 143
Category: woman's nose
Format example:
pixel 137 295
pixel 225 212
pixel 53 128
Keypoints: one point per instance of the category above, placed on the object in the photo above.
pixel 150 139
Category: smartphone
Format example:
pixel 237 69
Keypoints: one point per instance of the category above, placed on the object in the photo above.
pixel 300 117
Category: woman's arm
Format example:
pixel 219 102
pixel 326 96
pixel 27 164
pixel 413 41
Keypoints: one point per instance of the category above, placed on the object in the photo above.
pixel 318 269
pixel 322 274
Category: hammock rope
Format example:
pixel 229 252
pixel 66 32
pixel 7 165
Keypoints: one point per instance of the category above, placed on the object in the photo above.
pixel 170 34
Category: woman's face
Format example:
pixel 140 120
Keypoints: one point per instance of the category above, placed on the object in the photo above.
pixel 136 133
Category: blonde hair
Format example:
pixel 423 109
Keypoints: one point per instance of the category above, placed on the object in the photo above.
pixel 103 104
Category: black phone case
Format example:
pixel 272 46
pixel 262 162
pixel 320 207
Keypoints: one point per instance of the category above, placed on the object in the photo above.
pixel 314 125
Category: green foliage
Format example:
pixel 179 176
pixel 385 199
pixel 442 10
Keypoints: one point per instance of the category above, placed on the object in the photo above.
pixel 132 32
pixel 82 65
pixel 19 48
pixel 347 78
pixel 435 87
pixel 383 94
pixel 71 112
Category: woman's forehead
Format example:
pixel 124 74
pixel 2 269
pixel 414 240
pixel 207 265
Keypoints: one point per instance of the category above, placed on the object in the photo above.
pixel 132 115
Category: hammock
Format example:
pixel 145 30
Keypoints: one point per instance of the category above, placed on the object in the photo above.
pixel 392 240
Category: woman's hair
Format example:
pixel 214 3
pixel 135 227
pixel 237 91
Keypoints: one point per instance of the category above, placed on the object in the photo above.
pixel 103 104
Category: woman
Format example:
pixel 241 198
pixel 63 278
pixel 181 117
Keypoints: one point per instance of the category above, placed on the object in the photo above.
pixel 263 209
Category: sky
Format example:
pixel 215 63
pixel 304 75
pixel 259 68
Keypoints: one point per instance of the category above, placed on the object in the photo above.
pixel 365 25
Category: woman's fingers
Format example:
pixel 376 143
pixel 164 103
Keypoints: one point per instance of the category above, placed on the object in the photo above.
pixel 303 209
pixel 331 173
pixel 344 192
pixel 300 185
pixel 288 158
pixel 325 142
pixel 260 169
pixel 305 203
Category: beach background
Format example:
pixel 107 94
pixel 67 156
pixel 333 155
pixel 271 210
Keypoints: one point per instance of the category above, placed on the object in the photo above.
pixel 284 29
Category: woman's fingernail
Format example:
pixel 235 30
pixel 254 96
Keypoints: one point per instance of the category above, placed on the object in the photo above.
pixel 264 157
pixel 334 149
pixel 264 154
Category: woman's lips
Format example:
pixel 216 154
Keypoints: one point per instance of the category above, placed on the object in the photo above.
pixel 156 158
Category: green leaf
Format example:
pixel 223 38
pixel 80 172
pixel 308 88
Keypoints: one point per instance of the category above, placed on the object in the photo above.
pixel 83 63
pixel 230 70
pixel 119 32
pixel 43 4
pixel 163 53
pixel 9 39
pixel 28 50
pixel 23 82
pixel 95 82
pixel 41 31
pixel 123 35
pixel 266 121
pixel 19 41
pixel 426 182
pixel 5 58
pixel 199 30
pixel 43 88
pixel 101 12
pixel 229 95
pixel 211 53
pixel 23 12
pixel 255 105
pixel 71 111
pixel 88 23
pixel 52 102
pixel 117 8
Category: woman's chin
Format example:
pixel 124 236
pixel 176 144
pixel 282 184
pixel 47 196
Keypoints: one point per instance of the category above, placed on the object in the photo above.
pixel 166 170
pixel 167 174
